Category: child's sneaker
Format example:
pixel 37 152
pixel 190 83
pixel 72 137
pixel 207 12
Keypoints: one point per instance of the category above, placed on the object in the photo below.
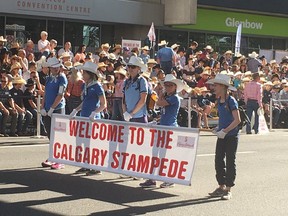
pixel 227 195
pixel 167 185
pixel 57 166
pixel 47 163
pixel 148 184
pixel 219 192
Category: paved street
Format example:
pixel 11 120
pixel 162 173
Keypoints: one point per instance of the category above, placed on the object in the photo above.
pixel 261 186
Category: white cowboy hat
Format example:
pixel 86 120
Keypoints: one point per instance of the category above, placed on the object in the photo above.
pixel 146 74
pixel 145 48
pixel 136 61
pixel 246 79
pixel 175 46
pixel 273 61
pixel 230 73
pixel 248 73
pixel 238 74
pixel 18 80
pixel 253 55
pixel 91 67
pixel 65 55
pixel 187 88
pixel 152 61
pixel 53 62
pixel 283 81
pixel 105 45
pixel 208 47
pixel 222 79
pixel 68 65
pixel 224 72
pixel 228 52
pixel 269 83
pixel 172 79
pixel 111 56
pixel 121 71
pixel 2 39
pixel 103 53
pixel 162 43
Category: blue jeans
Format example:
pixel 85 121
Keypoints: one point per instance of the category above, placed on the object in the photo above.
pixel 166 67
pixel 252 106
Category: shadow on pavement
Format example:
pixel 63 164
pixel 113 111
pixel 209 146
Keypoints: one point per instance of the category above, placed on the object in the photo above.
pixel 74 188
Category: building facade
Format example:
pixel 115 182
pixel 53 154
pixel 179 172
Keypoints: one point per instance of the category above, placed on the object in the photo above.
pixel 92 22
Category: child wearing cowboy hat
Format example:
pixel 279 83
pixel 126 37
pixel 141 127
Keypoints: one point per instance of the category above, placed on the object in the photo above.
pixel 227 133
pixel 169 101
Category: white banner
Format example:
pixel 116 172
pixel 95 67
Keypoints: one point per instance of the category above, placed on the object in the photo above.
pixel 238 39
pixel 131 43
pixel 134 149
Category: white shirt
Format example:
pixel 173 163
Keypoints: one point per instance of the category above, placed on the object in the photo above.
pixel 42 44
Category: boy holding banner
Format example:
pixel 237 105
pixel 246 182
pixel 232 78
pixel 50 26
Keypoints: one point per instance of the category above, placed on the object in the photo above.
pixel 170 103
pixel 227 133
pixel 94 101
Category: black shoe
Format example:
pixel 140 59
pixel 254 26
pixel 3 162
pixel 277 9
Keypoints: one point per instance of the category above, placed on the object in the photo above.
pixel 82 170
pixel 1 135
pixel 6 135
pixel 14 135
pixel 248 132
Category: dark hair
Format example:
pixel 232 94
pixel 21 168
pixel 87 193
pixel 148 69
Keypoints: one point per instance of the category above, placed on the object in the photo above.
pixel 255 76
pixel 79 50
pixel 93 76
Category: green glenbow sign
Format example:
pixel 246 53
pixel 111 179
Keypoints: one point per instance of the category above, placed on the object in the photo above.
pixel 223 21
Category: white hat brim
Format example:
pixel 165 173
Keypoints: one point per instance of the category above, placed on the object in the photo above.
pixel 222 82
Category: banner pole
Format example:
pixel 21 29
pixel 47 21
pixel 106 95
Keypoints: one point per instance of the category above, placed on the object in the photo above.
pixel 189 112
pixel 271 115
pixel 38 127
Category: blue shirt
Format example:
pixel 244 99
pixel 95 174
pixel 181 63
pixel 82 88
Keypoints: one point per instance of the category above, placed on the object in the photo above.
pixel 165 54
pixel 132 92
pixel 145 58
pixel 169 113
pixel 225 114
pixel 91 100
pixel 55 86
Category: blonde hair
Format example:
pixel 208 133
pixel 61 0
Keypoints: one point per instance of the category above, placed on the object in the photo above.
pixel 75 75
pixel 43 33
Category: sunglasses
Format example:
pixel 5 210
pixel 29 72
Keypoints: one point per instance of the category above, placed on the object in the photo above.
pixel 132 66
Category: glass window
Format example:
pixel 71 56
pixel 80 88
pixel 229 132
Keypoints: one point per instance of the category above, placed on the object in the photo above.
pixel 279 44
pixel 107 34
pixel 82 33
pixel 220 43
pixel 179 37
pixel 55 31
pixel 22 29
pixel 2 24
pixel 199 37
pixel 259 43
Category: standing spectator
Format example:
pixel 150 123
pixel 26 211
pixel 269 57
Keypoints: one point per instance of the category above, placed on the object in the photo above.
pixel 80 54
pixel 23 114
pixel 120 76
pixel 227 57
pixel 175 48
pixel 52 48
pixel 117 51
pixel 53 100
pixel 7 108
pixel 30 103
pixel 44 44
pixel 253 63
pixel 145 54
pixel 165 57
pixel 74 90
pixel 29 49
pixel 105 48
pixel 44 73
pixel 191 51
pixel 253 100
pixel 67 49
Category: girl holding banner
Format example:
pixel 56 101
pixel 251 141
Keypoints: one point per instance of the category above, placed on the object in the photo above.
pixel 93 103
pixel 227 133
pixel 170 104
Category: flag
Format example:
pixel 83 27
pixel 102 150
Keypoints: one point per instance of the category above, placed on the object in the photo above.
pixel 151 34
pixel 238 39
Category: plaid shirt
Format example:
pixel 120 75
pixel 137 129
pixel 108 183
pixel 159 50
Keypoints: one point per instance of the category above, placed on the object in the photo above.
pixel 75 89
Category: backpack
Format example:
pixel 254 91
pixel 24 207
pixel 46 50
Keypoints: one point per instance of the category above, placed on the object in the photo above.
pixel 151 96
